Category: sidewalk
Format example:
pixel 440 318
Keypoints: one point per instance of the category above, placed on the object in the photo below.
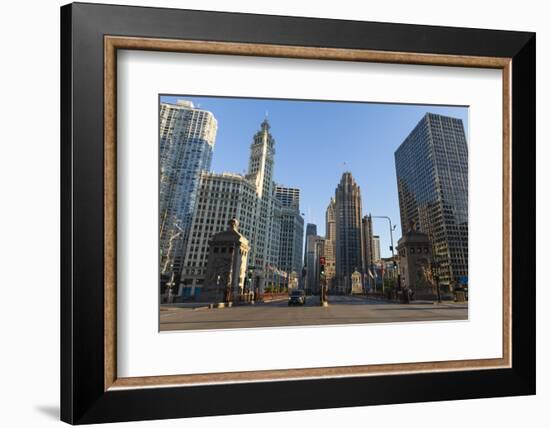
pixel 205 305
pixel 374 298
pixel 379 298
pixel 183 305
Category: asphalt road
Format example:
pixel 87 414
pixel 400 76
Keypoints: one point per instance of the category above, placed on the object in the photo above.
pixel 341 310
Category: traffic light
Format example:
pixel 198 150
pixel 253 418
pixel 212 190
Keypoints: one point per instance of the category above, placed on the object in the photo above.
pixel 322 260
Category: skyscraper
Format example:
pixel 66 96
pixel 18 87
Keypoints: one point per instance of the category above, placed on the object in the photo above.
pixel 330 244
pixel 289 196
pixel 330 220
pixel 291 229
pixel 368 247
pixel 260 173
pixel 311 229
pixel 315 248
pixel 220 198
pixel 187 138
pixel 376 248
pixel 432 180
pixel 349 248
pixel 251 200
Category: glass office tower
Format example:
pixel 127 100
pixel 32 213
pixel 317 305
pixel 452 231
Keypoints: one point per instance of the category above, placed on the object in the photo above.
pixel 432 179
pixel 187 138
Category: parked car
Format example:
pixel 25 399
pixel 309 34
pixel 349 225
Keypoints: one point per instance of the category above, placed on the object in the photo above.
pixel 297 297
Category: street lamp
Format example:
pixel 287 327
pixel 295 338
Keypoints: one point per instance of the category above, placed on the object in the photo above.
pixel 392 228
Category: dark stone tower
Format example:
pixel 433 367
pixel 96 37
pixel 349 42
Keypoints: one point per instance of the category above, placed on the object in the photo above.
pixel 349 245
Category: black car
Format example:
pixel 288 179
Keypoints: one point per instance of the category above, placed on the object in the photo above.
pixel 297 297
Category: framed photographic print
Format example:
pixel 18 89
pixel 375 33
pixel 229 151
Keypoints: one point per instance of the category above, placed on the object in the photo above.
pixel 340 213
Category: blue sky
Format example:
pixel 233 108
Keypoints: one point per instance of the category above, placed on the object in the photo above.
pixel 316 141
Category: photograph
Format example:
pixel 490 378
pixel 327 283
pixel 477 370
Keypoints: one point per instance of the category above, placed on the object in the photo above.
pixel 264 211
pixel 290 212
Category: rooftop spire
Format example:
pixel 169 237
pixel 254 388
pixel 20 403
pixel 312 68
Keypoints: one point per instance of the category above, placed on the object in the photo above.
pixel 265 124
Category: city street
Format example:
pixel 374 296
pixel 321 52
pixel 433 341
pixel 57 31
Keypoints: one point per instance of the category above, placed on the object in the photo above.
pixel 341 310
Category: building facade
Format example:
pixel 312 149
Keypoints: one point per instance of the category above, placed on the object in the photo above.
pixel 250 199
pixel 368 249
pixel 187 138
pixel 349 245
pixel 415 263
pixel 311 229
pixel 291 230
pixel 432 179
pixel 264 250
pixel 376 248
pixel 226 269
pixel 330 245
pixel 220 198
pixel 316 248
pixel 288 196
